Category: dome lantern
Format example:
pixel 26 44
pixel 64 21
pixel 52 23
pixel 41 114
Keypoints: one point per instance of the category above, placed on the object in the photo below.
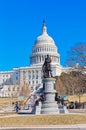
pixel 44 28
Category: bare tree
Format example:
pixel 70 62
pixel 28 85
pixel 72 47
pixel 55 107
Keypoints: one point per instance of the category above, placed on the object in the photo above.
pixel 77 60
pixel 77 54
pixel 80 80
pixel 71 83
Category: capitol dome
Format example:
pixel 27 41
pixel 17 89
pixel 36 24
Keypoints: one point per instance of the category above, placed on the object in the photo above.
pixel 43 46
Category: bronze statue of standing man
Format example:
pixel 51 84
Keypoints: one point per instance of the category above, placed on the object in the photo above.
pixel 47 72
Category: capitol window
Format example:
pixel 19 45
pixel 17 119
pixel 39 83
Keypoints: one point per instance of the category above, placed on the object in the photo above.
pixel 13 89
pixel 33 76
pixel 37 81
pixel 6 75
pixel 9 89
pixel 29 76
pixel 37 71
pixel 58 59
pixel 16 78
pixel 29 82
pixel 32 71
pixel 16 73
pixel 24 72
pixel 3 80
pixel 36 76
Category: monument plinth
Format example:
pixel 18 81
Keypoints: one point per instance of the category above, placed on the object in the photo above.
pixel 49 106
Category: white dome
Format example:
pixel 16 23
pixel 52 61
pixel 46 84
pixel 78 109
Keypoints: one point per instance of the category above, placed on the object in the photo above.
pixel 44 45
pixel 44 38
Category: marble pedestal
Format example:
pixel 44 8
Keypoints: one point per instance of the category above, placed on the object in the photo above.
pixel 49 106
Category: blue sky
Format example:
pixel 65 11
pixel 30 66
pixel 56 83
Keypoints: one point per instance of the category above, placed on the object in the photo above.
pixel 21 23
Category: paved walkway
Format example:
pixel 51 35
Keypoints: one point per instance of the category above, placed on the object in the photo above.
pixel 53 127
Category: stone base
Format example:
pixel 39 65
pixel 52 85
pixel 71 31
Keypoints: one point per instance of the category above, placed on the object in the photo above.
pixel 63 109
pixel 49 106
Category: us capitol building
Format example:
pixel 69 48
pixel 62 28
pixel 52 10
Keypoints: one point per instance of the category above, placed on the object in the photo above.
pixel 12 81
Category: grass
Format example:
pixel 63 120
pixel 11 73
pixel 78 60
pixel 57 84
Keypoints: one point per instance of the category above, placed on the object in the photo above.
pixel 43 120
pixel 6 101
pixel 7 114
